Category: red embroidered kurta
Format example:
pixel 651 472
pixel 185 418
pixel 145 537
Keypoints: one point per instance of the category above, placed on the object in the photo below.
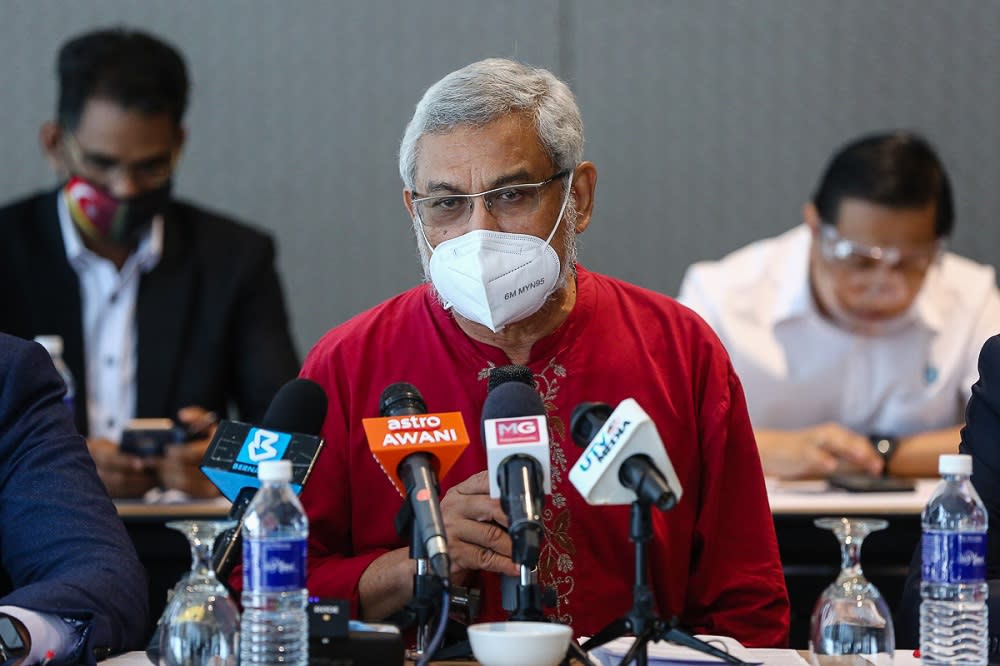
pixel 713 560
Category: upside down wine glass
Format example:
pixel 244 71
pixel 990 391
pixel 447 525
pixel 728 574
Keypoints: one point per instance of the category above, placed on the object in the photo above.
pixel 851 618
pixel 201 626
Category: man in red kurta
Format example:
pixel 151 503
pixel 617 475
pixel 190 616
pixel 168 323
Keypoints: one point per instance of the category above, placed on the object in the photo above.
pixel 497 189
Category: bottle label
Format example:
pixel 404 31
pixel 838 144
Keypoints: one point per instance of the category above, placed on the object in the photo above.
pixel 953 557
pixel 274 565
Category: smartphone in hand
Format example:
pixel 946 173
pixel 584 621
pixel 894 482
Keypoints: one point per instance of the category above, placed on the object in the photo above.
pixel 147 438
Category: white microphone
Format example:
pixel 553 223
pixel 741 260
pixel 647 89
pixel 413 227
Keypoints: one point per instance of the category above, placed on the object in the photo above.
pixel 624 459
pixel 516 436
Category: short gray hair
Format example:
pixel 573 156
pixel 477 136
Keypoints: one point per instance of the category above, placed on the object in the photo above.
pixel 487 90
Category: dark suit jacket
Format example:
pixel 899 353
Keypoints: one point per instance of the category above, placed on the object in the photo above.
pixel 212 326
pixel 62 544
pixel 981 440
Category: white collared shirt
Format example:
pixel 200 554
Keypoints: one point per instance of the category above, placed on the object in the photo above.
pixel 798 369
pixel 48 631
pixel 108 299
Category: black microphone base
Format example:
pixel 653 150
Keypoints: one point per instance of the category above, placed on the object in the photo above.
pixel 359 647
pixel 641 621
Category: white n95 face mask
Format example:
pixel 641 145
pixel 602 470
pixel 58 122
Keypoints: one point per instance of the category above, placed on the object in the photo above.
pixel 495 278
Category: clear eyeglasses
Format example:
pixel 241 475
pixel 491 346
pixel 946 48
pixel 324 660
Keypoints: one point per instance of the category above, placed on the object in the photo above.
pixel 101 170
pixel 511 203
pixel 851 617
pixel 856 256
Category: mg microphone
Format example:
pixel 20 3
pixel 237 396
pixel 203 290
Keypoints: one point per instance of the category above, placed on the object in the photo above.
pixel 624 458
pixel 516 435
pixel 414 449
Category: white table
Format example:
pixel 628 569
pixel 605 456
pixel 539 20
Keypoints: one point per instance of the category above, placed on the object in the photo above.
pixel 816 498
pixel 901 658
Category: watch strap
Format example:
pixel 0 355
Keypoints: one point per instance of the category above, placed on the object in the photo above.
pixel 885 446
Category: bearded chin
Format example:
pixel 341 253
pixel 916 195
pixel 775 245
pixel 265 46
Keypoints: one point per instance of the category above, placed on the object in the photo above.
pixel 566 234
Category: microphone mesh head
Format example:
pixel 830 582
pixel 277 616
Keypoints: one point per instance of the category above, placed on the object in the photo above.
pixel 587 419
pixel 298 406
pixel 510 373
pixel 513 399
pixel 401 398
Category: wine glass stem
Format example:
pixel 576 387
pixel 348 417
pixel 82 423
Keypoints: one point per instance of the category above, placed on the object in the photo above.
pixel 201 558
pixel 850 555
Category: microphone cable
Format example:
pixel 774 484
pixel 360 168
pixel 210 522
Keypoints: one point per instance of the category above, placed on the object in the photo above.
pixel 435 643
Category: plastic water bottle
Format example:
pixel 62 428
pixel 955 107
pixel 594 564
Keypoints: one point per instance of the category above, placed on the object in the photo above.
pixel 274 627
pixel 54 346
pixel 953 587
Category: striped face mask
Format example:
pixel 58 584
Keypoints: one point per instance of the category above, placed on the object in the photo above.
pixel 101 216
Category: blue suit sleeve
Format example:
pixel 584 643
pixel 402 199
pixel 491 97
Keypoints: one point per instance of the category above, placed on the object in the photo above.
pixel 62 544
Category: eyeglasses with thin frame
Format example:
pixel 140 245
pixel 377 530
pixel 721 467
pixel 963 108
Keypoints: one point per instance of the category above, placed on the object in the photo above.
pixel 860 258
pixel 508 204
pixel 148 174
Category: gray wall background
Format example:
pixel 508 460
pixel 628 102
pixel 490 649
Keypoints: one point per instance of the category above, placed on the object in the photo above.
pixel 709 121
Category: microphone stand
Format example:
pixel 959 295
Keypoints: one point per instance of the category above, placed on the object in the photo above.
pixel 529 598
pixel 524 597
pixel 641 621
pixel 426 586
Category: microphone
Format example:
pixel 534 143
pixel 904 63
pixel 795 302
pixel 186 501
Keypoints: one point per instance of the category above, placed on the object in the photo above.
pixel 414 449
pixel 624 459
pixel 292 423
pixel 289 431
pixel 510 373
pixel 515 432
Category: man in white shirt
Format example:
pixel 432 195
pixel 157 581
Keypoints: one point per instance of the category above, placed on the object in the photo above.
pixel 855 334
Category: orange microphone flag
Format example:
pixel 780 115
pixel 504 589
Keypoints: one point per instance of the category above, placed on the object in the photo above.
pixel 392 438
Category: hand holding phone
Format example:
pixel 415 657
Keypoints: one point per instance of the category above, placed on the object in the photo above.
pixel 147 438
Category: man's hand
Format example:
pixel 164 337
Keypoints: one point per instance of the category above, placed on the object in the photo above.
pixel 816 452
pixel 477 540
pixel 477 530
pixel 123 474
pixel 179 469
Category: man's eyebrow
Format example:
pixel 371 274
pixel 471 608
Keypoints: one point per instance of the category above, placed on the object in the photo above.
pixel 97 156
pixel 519 177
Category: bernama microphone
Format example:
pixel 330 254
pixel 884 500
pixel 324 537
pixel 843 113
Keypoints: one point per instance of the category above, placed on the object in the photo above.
pixel 624 459
pixel 289 430
pixel 415 449
pixel 516 435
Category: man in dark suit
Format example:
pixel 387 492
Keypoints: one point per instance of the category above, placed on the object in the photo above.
pixel 165 309
pixel 981 440
pixel 77 585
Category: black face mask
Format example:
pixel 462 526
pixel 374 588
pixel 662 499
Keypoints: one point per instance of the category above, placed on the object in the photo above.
pixel 101 215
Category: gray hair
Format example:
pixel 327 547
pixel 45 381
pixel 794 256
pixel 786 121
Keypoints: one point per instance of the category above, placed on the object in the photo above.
pixel 487 90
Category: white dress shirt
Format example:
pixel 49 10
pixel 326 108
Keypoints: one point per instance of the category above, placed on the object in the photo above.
pixel 108 298
pixel 49 633
pixel 799 369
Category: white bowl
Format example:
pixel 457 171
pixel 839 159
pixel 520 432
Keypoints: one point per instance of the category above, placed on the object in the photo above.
pixel 519 643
